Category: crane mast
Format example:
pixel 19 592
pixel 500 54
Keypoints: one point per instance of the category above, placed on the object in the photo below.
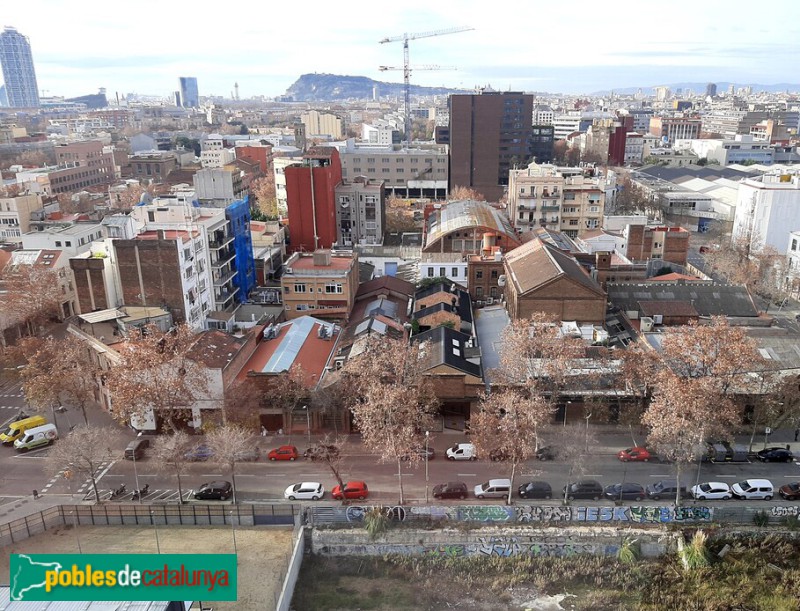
pixel 407 67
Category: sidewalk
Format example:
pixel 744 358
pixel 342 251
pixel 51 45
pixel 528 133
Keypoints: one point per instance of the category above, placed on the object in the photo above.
pixel 22 507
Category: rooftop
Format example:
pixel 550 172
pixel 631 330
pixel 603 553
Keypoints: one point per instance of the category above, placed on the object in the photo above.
pixel 707 298
pixel 216 349
pixel 445 346
pixel 465 214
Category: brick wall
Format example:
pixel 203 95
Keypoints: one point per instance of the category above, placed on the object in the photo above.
pixel 90 284
pixel 439 318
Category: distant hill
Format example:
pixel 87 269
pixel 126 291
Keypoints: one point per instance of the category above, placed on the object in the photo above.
pixel 722 87
pixel 331 87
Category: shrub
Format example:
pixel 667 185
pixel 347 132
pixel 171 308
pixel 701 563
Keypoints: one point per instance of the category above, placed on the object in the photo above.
pixel 629 551
pixel 376 522
pixel 760 518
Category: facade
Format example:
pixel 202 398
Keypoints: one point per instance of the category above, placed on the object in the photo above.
pixel 70 238
pixel 543 115
pixel 541 278
pixel 96 279
pixel 214 153
pixel 381 134
pixel 564 125
pixel 670 129
pixel 490 133
pixel 15 216
pixel 55 260
pixel 189 95
pixel 542 142
pixel 412 172
pixel 322 284
pixel 547 196
pixel 647 242
pixel 219 186
pixel 19 75
pixel 634 148
pixel 641 119
pixel 360 212
pixel 484 273
pixel 155 167
pixel 792 277
pixel 80 165
pixel 311 199
pixel 767 211
pixel 740 149
pixel 450 265
pixel 257 153
pixel 322 124
pixel 467 226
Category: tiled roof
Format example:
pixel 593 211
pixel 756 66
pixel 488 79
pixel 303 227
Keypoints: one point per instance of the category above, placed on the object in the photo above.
pixel 216 349
pixel 535 264
pixel 673 277
pixel 708 298
pixel 390 283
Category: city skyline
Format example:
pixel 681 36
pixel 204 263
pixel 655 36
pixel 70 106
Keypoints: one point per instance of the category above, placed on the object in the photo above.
pixel 584 49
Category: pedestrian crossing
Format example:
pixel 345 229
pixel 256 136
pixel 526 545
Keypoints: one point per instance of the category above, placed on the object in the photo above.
pixel 154 496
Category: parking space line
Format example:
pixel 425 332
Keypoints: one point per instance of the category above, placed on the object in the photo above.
pixel 467 474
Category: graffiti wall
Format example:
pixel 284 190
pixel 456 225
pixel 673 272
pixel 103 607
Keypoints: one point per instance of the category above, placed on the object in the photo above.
pixel 500 514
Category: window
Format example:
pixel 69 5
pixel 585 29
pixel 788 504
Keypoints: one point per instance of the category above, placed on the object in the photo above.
pixel 478 292
pixel 58 244
pixel 430 272
pixel 494 274
pixel 332 287
pixel 454 272
pixel 442 271
pixel 67 243
pixel 573 221
pixel 479 274
pixel 300 287
pixel 301 307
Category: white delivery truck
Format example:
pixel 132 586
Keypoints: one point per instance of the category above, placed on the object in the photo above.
pixel 38 436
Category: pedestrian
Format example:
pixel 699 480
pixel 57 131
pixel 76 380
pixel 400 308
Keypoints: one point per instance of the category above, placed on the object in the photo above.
pixel 280 431
pixel 263 431
pixel 796 434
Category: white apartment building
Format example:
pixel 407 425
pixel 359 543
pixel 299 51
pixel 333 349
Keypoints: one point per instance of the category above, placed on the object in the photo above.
pixel 451 265
pixel 72 239
pixel 634 148
pixel 382 134
pixel 279 164
pixel 564 125
pixel 543 115
pixel 15 216
pixel 219 186
pixel 360 212
pixel 768 210
pixel 213 153
pixel 741 148
pixel 792 278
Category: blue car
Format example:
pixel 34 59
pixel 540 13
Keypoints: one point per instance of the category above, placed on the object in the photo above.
pixel 199 453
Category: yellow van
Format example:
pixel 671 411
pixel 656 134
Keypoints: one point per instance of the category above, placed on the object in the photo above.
pixel 16 429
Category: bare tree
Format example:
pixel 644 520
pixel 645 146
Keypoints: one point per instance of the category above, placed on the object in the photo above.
pixel 460 192
pixel 392 400
pixel 263 189
pixel 508 425
pixel 241 404
pixel 170 454
pixel 158 373
pixel 31 295
pixel 287 389
pixel 228 444
pixel 328 450
pixel 82 452
pixel 399 217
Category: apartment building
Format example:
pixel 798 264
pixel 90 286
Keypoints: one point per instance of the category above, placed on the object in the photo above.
pixel 322 284
pixel 214 153
pixel 560 198
pixel 450 265
pixel 380 133
pixel 80 165
pixel 670 129
pixel 634 148
pixel 407 173
pixel 741 148
pixel 152 166
pixel 70 238
pixel 360 212
pixel 767 210
pixel 15 216
pixel 219 186
pixel 322 124
pixel 543 115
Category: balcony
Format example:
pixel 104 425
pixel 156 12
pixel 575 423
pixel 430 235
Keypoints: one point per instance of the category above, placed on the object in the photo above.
pixel 219 242
pixel 223 258
pixel 550 207
pixel 523 206
pixel 224 279
pixel 224 299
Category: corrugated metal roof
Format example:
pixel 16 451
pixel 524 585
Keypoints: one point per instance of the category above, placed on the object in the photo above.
pixel 284 356
pixel 102 316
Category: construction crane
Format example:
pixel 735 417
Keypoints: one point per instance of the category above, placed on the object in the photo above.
pixel 407 68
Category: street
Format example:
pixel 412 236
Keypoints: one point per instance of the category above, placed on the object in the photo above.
pixel 265 481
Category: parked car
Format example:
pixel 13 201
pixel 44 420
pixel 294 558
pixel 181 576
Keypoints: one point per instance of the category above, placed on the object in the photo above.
pixel 352 490
pixel 450 490
pixel 248 454
pixel 535 490
pixel 220 491
pixel 421 451
pixel 584 489
pixel 790 491
pixel 711 491
pixel 638 453
pixel 198 453
pixel 321 451
pixel 665 489
pixel 626 491
pixel 493 489
pixel 753 489
pixel 304 491
pixel 545 453
pixel 136 448
pixel 499 455
pixel 283 453
pixel 775 455
pixel 462 451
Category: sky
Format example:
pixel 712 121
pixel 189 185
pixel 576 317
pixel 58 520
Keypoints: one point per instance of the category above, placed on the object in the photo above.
pixel 573 47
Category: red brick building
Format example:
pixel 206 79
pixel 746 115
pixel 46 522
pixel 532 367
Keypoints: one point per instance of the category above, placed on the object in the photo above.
pixel 260 154
pixel 311 199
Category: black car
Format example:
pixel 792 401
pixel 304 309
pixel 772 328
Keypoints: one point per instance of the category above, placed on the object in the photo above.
pixel 545 453
pixel 627 491
pixel 219 491
pixel 584 489
pixel 535 490
pixel 450 490
pixel 775 455
pixel 665 489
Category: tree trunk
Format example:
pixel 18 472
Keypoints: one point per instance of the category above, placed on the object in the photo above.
pixel 400 477
pixel 511 487
pixel 85 417
pixel 180 488
pixel 94 486
pixel 678 481
pixel 233 481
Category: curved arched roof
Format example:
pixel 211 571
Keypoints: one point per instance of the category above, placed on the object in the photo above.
pixel 467 214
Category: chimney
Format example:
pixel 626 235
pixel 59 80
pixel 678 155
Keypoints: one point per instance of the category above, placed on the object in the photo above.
pixel 602 260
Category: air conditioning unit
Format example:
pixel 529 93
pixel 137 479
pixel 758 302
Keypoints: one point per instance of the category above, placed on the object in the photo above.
pixel 658 319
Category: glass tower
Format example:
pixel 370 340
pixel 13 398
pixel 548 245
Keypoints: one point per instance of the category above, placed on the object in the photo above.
pixel 18 72
pixel 189 95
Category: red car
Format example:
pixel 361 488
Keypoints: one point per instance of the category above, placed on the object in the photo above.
pixel 352 490
pixel 634 454
pixel 283 453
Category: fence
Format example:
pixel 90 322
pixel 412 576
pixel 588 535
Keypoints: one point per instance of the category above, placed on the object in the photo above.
pixel 113 515
pixel 293 571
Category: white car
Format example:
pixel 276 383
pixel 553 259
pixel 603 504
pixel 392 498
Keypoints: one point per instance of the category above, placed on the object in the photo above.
pixel 304 491
pixel 462 451
pixel 710 491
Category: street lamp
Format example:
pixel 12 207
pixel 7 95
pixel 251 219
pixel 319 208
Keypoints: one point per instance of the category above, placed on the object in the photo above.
pixel 155 527
pixel 427 436
pixel 136 477
pixel 589 415
pixel 566 408
pixel 233 531
pixel 308 422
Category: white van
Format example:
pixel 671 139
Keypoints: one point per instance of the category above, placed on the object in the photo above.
pixel 753 489
pixel 38 436
pixel 493 489
pixel 462 451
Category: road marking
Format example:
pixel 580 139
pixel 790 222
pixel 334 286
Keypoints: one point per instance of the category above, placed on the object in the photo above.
pixel 792 476
pixel 246 475
pixel 210 475
pixel 596 475
pixel 728 476
pixel 467 474
pixel 662 476
pixel 273 475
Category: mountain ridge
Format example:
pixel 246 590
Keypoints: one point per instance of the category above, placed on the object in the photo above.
pixel 317 87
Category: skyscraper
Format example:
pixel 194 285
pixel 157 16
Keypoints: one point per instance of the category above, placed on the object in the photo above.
pixel 189 95
pixel 490 133
pixel 18 72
